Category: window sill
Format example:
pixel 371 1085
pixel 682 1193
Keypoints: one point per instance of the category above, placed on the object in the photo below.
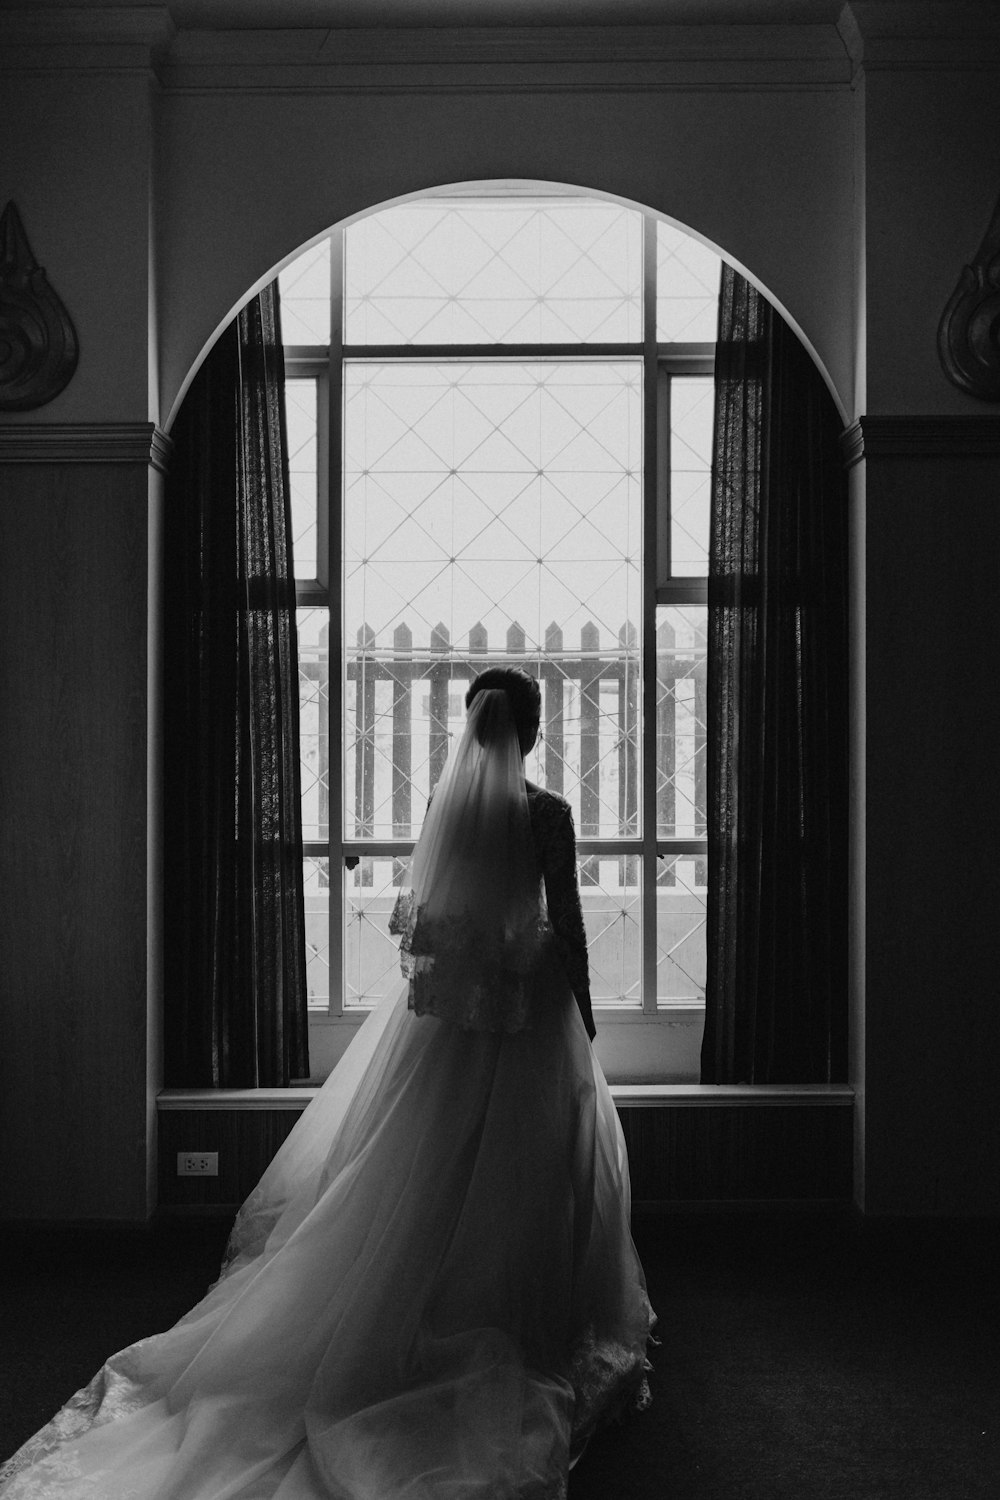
pixel 634 1046
pixel 682 1012
pixel 625 1095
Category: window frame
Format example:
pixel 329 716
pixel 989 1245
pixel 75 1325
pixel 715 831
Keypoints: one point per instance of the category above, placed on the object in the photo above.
pixel 661 363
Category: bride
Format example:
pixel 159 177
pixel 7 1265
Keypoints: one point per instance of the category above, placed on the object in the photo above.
pixel 432 1293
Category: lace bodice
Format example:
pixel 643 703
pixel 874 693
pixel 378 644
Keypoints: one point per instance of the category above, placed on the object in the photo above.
pixel 555 853
pixel 478 978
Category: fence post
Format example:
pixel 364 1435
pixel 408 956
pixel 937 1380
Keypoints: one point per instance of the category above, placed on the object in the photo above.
pixel 401 670
pixel 590 745
pixel 478 649
pixel 701 750
pixel 439 673
pixel 323 735
pixel 364 753
pixel 666 739
pixel 552 676
pixel 628 719
pixel 515 640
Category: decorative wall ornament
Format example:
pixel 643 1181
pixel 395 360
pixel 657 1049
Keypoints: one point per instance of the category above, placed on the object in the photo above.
pixel 38 347
pixel 969 332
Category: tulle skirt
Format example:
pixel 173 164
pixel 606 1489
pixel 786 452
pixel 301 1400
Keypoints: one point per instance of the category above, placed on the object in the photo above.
pixel 432 1294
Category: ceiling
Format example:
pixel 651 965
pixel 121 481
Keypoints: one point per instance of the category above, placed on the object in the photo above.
pixel 263 14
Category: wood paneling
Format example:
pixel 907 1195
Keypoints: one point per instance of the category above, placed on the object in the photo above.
pixel 740 1153
pixel 775 1152
pixel 931 1023
pixel 73 785
pixel 245 1140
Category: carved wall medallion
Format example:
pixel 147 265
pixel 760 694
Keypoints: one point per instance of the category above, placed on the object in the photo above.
pixel 38 347
pixel 969 332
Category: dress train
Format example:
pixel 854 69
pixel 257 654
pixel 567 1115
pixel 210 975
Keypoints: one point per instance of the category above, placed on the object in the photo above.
pixel 432 1294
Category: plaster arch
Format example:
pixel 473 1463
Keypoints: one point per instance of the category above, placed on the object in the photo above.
pixel 764 178
pixel 513 187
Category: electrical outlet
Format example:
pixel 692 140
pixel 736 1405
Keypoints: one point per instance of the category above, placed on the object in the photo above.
pixel 197 1163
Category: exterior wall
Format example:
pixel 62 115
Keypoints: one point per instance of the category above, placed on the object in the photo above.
pixel 853 199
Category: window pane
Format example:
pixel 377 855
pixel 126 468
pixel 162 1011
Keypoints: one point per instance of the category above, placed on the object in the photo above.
pixel 371 953
pixel 316 873
pixel 680 928
pixel 300 420
pixel 314 721
pixel 611 895
pixel 692 415
pixel 492 512
pixel 494 271
pixel 687 288
pixel 304 286
pixel 681 663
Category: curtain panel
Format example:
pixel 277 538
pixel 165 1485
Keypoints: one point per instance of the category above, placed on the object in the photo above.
pixel 776 990
pixel 236 998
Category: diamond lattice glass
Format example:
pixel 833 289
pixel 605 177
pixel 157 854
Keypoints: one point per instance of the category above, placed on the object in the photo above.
pixel 611 896
pixel 314 721
pixel 491 512
pixel 494 271
pixel 300 421
pixel 681 663
pixel 692 414
pixel 316 881
pixel 304 286
pixel 687 288
pixel 680 929
pixel 371 953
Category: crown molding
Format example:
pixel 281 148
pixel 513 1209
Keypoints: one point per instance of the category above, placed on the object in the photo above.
pixel 603 57
pixel 112 38
pixel 920 437
pixel 921 35
pixel 85 443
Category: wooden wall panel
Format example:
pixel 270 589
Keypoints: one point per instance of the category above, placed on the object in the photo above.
pixel 245 1140
pixel 73 631
pixel 731 1154
pixel 931 1024
pixel 748 1152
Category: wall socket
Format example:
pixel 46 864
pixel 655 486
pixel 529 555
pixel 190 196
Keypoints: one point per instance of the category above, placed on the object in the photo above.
pixel 197 1163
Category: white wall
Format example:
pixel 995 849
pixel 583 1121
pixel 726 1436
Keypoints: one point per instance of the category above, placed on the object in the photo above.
pixel 246 181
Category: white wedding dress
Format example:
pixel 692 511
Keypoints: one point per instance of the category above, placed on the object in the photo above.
pixel 432 1294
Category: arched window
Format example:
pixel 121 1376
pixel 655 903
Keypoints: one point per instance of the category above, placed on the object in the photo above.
pixel 500 414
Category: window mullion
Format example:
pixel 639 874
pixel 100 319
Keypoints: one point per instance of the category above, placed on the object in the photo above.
pixel 331 463
pixel 651 527
pixel 489 353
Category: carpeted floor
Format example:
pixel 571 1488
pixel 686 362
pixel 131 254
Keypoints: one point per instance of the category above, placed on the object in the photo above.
pixel 803 1356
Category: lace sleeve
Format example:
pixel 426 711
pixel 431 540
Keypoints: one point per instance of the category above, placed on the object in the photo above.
pixel 562 898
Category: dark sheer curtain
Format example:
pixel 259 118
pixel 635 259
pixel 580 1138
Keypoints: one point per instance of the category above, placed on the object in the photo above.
pixel 776 1003
pixel 235 951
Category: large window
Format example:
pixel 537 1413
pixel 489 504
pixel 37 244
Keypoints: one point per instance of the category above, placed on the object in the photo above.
pixel 500 416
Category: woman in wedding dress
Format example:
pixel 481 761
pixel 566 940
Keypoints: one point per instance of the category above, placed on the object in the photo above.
pixel 432 1294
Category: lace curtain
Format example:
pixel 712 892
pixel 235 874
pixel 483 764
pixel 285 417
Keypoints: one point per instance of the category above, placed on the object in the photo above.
pixel 235 948
pixel 776 1002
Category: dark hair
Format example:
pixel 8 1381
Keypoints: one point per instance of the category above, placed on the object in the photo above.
pixel 523 694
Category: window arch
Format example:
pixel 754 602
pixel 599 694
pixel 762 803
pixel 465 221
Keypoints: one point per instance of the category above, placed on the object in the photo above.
pixel 500 419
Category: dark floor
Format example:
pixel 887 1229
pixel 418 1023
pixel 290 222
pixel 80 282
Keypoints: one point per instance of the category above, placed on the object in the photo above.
pixel 803 1356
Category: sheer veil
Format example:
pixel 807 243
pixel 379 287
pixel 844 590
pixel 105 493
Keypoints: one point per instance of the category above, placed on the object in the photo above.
pixel 471 923
pixel 471 928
